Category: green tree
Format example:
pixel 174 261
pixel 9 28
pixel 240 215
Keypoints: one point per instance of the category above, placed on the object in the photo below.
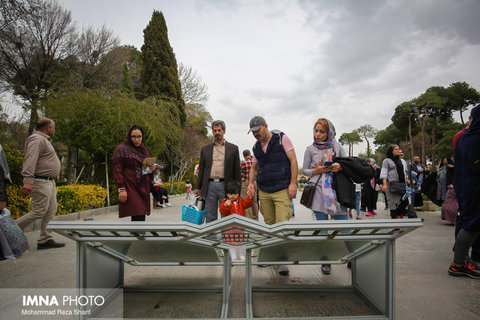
pixel 350 139
pixel 126 83
pixel 461 96
pixel 35 38
pixel 404 119
pixel 387 137
pixel 433 103
pixel 160 75
pixel 367 132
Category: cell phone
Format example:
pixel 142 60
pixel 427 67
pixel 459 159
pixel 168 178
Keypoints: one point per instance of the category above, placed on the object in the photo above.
pixel 327 163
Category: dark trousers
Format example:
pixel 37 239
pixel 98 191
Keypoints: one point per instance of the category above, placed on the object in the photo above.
pixel 159 194
pixel 400 211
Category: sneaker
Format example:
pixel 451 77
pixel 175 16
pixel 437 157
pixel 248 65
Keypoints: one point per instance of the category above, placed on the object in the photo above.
pixel 368 213
pixel 283 270
pixel 163 206
pixel 467 270
pixel 359 218
pixel 374 212
pixel 474 263
pixel 168 204
pixel 326 268
pixel 50 244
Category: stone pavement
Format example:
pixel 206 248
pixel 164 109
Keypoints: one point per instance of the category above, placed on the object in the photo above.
pixel 424 290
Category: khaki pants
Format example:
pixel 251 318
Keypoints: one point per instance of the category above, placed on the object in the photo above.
pixel 251 212
pixel 275 207
pixel 44 203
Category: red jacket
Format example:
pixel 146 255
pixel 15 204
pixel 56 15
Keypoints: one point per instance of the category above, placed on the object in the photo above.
pixel 237 207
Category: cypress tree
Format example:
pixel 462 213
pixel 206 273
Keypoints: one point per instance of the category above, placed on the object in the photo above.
pixel 160 75
pixel 126 84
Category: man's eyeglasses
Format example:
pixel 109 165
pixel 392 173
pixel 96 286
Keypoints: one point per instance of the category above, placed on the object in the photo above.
pixel 136 137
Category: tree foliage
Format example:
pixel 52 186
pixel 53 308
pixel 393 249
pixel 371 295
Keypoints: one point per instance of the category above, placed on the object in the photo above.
pixel 97 120
pixel 460 96
pixel 425 124
pixel 34 39
pixel 367 132
pixel 160 75
pixel 350 139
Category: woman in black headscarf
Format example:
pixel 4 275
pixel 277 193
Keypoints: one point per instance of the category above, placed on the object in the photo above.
pixel 394 169
pixel 133 185
pixel 467 188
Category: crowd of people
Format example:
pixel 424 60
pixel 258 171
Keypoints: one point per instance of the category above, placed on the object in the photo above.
pixel 265 181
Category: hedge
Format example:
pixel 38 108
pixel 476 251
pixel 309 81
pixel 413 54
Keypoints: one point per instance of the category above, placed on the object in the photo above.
pixel 180 190
pixel 71 198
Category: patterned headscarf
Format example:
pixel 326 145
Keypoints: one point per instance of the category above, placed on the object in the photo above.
pixel 330 137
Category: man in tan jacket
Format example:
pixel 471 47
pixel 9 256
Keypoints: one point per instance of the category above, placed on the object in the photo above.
pixel 40 168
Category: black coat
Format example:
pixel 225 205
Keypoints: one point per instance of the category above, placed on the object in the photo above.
pixel 353 170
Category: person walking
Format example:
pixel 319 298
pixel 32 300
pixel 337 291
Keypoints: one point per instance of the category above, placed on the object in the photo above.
pixel 275 169
pixel 245 166
pixel 395 171
pixel 467 189
pixel 40 168
pixel 318 163
pixel 132 182
pixel 219 163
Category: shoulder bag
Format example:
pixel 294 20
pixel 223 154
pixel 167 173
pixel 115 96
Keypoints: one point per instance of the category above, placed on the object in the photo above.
pixel 397 187
pixel 308 193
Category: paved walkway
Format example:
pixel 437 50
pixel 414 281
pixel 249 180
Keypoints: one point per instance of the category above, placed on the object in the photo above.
pixel 424 290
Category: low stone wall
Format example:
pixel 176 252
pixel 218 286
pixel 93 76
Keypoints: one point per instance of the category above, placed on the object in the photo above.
pixel 429 206
pixel 75 216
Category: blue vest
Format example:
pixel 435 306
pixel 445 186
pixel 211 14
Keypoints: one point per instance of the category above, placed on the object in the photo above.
pixel 274 172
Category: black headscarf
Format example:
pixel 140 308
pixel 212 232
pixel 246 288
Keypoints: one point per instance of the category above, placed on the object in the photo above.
pixel 398 163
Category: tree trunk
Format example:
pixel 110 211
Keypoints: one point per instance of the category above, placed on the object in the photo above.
pixel 434 137
pixel 461 118
pixel 410 136
pixel 422 126
pixel 33 119
pixel 71 163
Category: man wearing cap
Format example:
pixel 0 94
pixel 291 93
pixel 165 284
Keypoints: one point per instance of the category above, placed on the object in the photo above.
pixel 40 168
pixel 219 163
pixel 245 167
pixel 275 169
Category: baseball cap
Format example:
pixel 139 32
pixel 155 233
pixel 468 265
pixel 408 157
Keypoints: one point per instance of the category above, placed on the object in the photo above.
pixel 256 123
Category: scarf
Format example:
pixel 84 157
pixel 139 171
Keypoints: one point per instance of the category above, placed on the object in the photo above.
pixel 128 150
pixel 327 149
pixel 399 166
pixel 4 164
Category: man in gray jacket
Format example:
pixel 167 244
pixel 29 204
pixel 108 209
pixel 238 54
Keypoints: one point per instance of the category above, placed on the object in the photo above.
pixel 40 168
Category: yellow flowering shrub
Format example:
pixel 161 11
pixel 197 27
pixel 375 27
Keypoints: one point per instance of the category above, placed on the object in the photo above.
pixel 17 204
pixel 166 185
pixel 74 198
pixel 70 198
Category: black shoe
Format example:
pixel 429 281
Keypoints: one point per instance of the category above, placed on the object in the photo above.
pixel 467 270
pixel 326 268
pixel 50 244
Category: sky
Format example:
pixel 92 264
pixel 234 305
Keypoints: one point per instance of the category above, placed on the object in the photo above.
pixel 294 61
